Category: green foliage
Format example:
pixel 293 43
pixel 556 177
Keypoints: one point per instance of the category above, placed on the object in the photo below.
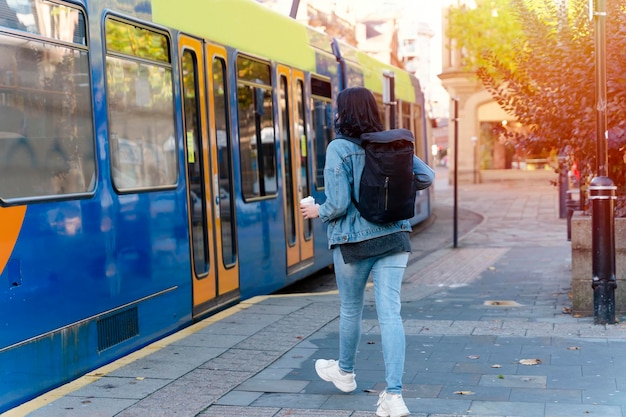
pixel 490 26
pixel 548 82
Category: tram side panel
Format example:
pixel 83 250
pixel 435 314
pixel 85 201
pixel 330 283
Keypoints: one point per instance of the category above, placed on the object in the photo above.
pixel 260 236
pixel 88 297
pixel 96 269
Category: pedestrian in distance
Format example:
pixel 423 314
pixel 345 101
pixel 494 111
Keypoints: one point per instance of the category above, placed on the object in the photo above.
pixel 360 248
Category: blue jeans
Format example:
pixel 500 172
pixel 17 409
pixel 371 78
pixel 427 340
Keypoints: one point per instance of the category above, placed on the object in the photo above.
pixel 387 272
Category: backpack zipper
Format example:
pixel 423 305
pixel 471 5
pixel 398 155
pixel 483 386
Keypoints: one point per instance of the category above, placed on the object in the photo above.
pixel 386 192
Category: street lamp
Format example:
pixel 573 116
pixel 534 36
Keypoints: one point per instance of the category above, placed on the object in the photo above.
pixel 474 140
pixel 602 191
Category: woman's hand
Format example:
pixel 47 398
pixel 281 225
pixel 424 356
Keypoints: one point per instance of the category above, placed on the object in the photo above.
pixel 310 211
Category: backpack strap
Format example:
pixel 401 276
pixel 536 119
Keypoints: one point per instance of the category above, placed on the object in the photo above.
pixel 358 141
pixel 387 136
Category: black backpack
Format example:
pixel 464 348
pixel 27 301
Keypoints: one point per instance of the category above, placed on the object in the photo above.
pixel 388 185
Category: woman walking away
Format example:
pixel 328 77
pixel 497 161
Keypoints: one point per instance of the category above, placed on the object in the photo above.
pixel 361 248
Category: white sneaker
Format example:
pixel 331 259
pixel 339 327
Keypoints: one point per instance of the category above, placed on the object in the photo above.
pixel 391 405
pixel 329 371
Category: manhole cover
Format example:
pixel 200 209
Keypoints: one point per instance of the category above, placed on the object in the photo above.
pixel 502 303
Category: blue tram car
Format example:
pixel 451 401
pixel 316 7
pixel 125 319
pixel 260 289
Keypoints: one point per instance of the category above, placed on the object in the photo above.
pixel 152 157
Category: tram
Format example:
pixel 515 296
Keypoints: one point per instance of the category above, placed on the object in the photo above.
pixel 152 157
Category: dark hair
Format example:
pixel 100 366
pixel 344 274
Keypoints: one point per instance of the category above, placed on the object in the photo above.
pixel 357 113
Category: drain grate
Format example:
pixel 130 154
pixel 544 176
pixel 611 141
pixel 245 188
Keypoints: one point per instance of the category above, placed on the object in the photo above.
pixel 118 327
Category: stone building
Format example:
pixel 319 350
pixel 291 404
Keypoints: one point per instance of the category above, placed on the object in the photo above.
pixel 481 152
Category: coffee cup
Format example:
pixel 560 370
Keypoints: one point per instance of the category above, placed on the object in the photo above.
pixel 307 200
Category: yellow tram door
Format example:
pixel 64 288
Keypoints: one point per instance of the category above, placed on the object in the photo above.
pixel 296 162
pixel 221 151
pixel 211 286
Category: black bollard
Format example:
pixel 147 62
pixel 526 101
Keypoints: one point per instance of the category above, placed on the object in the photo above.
pixel 603 301
pixel 602 196
pixel 571 205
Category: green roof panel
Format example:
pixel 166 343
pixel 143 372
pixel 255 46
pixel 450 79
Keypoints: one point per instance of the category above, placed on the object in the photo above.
pixel 241 24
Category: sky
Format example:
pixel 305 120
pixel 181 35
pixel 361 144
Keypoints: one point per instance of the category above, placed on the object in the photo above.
pixel 426 11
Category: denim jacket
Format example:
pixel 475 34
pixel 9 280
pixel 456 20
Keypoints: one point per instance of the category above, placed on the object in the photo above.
pixel 342 178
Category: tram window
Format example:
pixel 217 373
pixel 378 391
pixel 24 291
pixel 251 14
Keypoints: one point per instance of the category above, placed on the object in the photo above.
pixel 256 129
pixel 323 125
pixel 383 111
pixel 419 131
pixel 136 41
pixel 44 18
pixel 224 157
pixel 406 114
pixel 305 163
pixel 285 127
pixel 47 143
pixel 141 108
pixel 195 163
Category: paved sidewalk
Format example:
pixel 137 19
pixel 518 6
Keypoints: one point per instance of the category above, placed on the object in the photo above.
pixel 487 325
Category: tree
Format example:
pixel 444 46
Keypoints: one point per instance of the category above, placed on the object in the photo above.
pixel 548 83
pixel 491 25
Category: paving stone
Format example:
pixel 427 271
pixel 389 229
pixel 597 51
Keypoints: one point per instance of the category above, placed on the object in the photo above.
pixel 286 400
pixel 557 396
pixel 292 412
pixel 573 410
pixel 508 408
pixel 239 398
pixel 271 385
pixel 228 411
pixel 73 406
pixel 258 360
pixel 518 381
pixel 116 387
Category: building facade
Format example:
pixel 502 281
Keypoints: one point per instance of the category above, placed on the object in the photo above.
pixel 480 123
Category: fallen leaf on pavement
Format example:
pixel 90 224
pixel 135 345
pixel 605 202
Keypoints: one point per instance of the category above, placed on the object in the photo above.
pixel 530 361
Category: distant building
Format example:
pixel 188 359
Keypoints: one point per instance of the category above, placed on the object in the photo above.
pixel 389 31
pixel 481 120
pixel 386 29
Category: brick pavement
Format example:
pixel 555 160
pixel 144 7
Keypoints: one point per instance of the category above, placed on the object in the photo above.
pixel 474 315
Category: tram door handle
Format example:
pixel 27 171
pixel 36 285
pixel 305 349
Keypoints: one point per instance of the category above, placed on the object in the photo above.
pixel 216 195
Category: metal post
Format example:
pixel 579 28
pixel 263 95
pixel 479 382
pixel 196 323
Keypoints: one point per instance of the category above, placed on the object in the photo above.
pixel 293 13
pixel 389 96
pixel 392 102
pixel 563 187
pixel 602 191
pixel 474 141
pixel 456 172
